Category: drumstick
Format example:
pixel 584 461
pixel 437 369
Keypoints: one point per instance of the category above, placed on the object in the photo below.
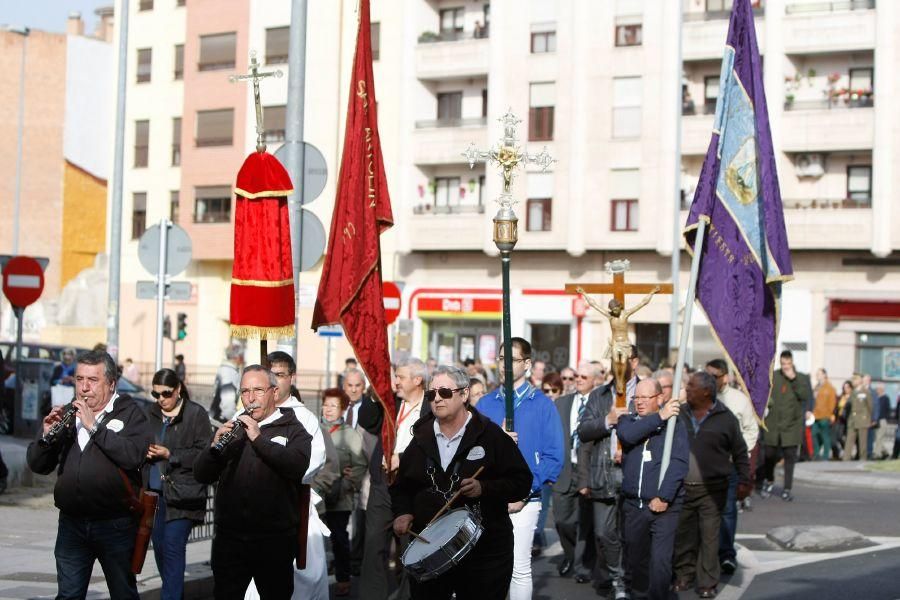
pixel 453 498
pixel 417 536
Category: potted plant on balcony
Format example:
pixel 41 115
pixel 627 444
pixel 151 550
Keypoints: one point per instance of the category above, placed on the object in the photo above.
pixel 426 37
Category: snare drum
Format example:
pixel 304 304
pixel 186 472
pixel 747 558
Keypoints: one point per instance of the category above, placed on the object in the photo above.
pixel 450 539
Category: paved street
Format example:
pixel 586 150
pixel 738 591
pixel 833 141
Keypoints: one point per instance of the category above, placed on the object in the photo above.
pixel 26 543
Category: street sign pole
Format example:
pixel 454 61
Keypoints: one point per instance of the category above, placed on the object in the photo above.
pixel 161 289
pixel 20 317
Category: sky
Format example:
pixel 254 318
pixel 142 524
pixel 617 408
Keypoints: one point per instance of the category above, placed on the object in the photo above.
pixel 49 15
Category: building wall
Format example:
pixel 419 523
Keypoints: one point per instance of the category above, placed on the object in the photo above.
pixel 83 221
pixel 40 216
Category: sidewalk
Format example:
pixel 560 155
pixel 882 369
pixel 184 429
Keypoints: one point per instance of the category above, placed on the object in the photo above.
pixel 27 566
pixel 848 474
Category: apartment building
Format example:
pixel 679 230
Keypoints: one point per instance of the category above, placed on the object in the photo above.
pixel 189 129
pixel 594 82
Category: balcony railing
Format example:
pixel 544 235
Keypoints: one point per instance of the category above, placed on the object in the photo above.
pixel 467 122
pixel 430 37
pixel 826 203
pixel 865 101
pixel 798 8
pixel 444 209
pixel 689 109
pixel 715 15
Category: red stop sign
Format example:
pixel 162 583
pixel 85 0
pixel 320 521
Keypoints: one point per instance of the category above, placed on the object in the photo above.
pixel 23 281
pixel 391 301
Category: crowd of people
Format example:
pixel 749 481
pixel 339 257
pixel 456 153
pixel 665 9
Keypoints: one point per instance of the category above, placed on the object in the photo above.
pixel 633 520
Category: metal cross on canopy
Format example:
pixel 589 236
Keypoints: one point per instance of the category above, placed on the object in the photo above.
pixel 255 74
pixel 508 156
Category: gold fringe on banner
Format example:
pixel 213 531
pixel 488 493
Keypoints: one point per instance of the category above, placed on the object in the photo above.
pixel 246 332
pixel 262 282
pixel 264 194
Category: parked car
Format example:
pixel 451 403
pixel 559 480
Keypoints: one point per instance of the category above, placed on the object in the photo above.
pixel 31 350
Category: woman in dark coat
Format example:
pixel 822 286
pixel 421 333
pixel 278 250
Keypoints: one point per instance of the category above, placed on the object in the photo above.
pixel 182 430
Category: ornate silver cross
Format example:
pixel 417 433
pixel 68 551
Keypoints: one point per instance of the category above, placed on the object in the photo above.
pixel 508 156
pixel 255 74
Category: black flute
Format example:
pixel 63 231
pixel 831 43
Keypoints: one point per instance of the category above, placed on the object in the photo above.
pixel 57 429
pixel 232 434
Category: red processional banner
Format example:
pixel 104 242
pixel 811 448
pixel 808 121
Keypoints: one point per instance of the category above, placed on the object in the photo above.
pixel 350 291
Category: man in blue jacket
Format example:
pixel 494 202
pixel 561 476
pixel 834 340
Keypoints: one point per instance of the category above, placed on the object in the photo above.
pixel 650 510
pixel 538 433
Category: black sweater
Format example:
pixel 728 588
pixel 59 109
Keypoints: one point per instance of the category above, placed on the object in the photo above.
pixel 506 476
pixel 89 484
pixel 259 481
pixel 717 447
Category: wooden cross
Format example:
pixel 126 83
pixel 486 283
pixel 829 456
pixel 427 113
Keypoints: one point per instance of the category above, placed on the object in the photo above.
pixel 255 75
pixel 619 289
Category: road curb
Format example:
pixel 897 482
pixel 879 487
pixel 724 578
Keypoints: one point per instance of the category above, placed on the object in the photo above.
pixel 851 476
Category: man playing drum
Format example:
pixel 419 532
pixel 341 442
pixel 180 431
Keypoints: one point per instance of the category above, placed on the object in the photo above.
pixel 448 448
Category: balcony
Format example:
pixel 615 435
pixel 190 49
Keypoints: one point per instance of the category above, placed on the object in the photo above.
pixel 704 35
pixel 813 127
pixel 439 56
pixel 696 131
pixel 443 141
pixel 829 30
pixel 836 224
pixel 429 229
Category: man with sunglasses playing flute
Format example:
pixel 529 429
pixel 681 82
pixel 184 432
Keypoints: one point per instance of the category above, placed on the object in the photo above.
pixel 257 498
pixel 448 448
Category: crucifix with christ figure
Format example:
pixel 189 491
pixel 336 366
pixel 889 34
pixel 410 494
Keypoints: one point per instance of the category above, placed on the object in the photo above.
pixel 255 75
pixel 619 344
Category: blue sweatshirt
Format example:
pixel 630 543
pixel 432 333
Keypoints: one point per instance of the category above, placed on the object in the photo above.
pixel 539 427
pixel 643 440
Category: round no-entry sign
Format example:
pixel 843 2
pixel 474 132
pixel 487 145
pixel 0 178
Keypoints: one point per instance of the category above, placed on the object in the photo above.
pixel 391 301
pixel 23 281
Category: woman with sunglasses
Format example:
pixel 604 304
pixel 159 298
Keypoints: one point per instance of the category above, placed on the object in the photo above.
pixel 552 385
pixel 182 430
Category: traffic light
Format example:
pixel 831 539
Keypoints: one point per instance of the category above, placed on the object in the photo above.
pixel 167 327
pixel 182 326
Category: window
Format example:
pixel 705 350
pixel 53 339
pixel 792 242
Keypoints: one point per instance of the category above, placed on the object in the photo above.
pixel 217 51
pixel 179 2
pixel 543 42
pixel 710 94
pixel 625 189
pixel 446 191
pixel 626 107
pixel 176 141
pixel 538 213
pixel 277 40
pixel 214 127
pixel 481 183
pixel 542 98
pixel 145 5
pixel 174 200
pixel 179 61
pixel 859 184
pixel 861 88
pixel 138 214
pixel 141 143
pixel 212 204
pixel 878 354
pixel 452 23
pixel 274 119
pixel 376 41
pixel 484 99
pixel 624 215
pixel 144 64
pixel 629 34
pixel 449 106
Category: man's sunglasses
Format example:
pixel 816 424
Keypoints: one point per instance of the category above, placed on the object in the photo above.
pixel 164 394
pixel 445 393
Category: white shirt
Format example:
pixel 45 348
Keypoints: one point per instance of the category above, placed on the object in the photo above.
pixel 447 447
pixel 739 404
pixel 573 421
pixel 81 431
pixel 354 406
pixel 410 414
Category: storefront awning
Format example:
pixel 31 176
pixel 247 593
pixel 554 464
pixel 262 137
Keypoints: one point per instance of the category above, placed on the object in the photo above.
pixel 863 310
